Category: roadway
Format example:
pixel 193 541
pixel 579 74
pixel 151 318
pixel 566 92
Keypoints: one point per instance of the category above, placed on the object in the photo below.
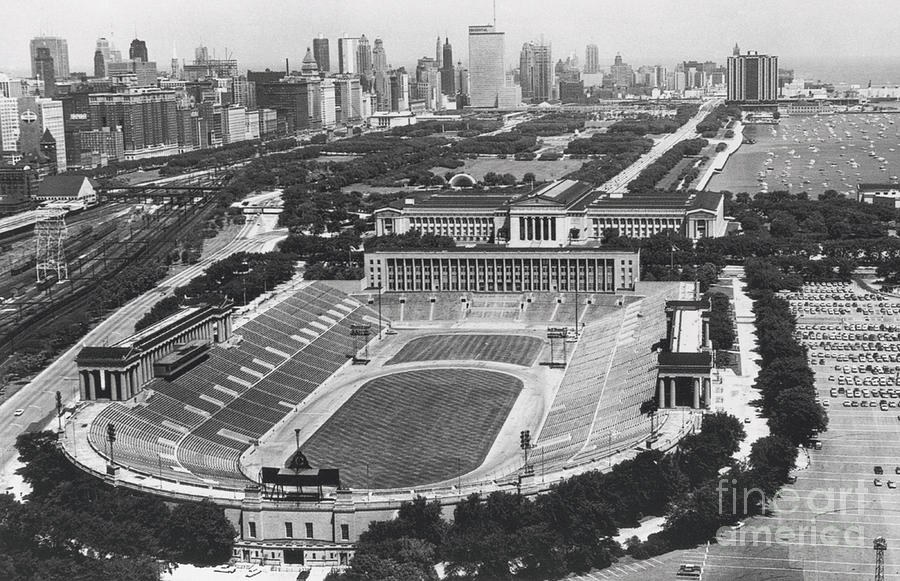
pixel 686 131
pixel 37 398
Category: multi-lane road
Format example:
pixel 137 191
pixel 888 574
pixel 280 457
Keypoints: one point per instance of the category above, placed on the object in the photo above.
pixel 686 131
pixel 37 398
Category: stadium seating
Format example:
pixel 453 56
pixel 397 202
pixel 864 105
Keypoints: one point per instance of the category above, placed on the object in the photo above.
pixel 612 371
pixel 194 429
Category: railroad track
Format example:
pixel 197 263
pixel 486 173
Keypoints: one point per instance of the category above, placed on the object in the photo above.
pixel 147 244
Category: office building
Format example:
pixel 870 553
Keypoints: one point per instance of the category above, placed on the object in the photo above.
pixel 99 64
pixel 329 105
pixel 621 73
pixel 296 99
pixel 364 56
pixel 322 54
pixel 461 78
pixel 18 185
pixel 536 72
pixel 348 48
pixel 146 117
pixel 138 50
pixel 133 73
pixel 38 116
pixel 99 147
pixel 59 52
pixel 9 123
pixel 592 59
pixel 752 78
pixel 428 83
pixel 379 57
pixel 244 92
pixel 487 74
pixel 571 91
pixel 201 54
pixel 234 124
pixel 348 100
pixel 44 63
pixel 448 76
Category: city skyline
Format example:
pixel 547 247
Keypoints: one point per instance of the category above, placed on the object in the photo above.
pixel 796 35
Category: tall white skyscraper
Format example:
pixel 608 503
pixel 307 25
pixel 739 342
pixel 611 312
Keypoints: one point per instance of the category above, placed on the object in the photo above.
pixel 59 51
pixel 9 123
pixel 487 75
pixel 348 49
pixel 51 114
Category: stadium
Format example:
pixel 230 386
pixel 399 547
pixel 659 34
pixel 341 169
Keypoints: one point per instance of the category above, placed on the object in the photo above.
pixel 326 407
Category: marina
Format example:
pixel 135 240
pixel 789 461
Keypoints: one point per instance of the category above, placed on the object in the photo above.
pixel 814 154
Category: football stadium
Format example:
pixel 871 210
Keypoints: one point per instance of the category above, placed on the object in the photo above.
pixel 324 407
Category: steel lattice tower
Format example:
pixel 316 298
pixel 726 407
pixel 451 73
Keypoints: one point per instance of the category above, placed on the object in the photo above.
pixel 49 255
pixel 880 546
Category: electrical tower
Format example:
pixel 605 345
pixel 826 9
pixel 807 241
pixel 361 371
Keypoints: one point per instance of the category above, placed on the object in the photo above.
pixel 880 546
pixel 50 235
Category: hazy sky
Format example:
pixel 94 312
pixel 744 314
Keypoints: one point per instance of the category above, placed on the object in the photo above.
pixel 262 33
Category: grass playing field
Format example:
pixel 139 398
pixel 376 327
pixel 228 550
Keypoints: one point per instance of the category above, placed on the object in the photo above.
pixel 515 349
pixel 414 428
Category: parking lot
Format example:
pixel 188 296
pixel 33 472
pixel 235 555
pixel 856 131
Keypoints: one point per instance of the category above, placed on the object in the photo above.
pixel 848 494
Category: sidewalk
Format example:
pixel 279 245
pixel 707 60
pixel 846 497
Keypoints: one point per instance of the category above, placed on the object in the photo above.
pixel 733 393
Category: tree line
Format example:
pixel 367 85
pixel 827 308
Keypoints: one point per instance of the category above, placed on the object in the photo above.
pixel 73 526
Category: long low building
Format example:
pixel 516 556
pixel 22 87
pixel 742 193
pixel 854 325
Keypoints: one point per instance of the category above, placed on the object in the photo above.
pixel 563 213
pixel 495 268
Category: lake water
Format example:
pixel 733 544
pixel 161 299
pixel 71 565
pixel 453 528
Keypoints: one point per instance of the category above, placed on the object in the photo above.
pixel 814 154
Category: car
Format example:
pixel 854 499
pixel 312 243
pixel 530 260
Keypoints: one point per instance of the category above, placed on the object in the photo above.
pixel 253 571
pixel 826 403
pixel 746 420
pixel 879 470
pixel 891 484
pixel 226 568
pixel 877 482
pixel 18 412
pixel 792 479
pixel 847 404
pixel 896 469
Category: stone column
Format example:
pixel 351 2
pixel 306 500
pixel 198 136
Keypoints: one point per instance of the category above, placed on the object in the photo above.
pixel 661 392
pixel 707 393
pixel 696 381
pixel 671 392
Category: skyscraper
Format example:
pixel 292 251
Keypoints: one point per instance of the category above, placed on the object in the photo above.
pixel 364 56
pixel 44 62
pixel 59 52
pixel 201 55
pixel 321 53
pixel 438 54
pixel 592 59
pixel 621 73
pixel 347 49
pixel 138 50
pixel 99 64
pixel 536 72
pixel 752 78
pixel 379 57
pixel 448 84
pixel 487 74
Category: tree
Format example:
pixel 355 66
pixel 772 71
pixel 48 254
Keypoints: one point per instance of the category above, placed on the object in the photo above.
pixel 528 178
pixel 797 416
pixel 200 534
pixel 771 460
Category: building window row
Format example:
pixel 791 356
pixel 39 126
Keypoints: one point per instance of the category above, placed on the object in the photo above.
pixel 502 274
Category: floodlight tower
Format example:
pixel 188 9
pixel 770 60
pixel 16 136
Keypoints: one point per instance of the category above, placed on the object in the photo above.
pixel 880 546
pixel 49 254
